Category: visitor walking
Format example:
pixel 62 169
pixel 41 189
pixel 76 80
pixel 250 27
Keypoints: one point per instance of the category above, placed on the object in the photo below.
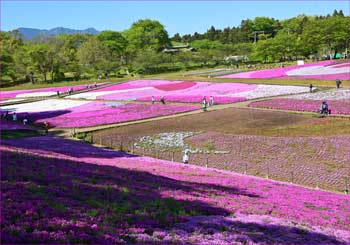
pixel 311 86
pixel 58 94
pixel 162 99
pixel 14 117
pixel 46 126
pixel 338 82
pixel 25 121
pixel 186 156
pixel 211 101
pixel 6 116
pixel 204 104
pixel 153 100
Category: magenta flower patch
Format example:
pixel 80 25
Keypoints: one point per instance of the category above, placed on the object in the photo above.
pixel 63 191
pixel 99 113
pixel 336 106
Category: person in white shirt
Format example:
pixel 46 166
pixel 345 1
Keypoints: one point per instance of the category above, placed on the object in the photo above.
pixel 186 156
pixel 14 117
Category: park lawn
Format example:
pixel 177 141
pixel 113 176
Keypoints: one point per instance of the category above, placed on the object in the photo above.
pixel 64 83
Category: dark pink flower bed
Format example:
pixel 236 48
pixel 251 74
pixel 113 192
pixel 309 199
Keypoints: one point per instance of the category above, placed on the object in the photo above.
pixel 336 106
pixel 8 125
pixel 175 86
pixel 62 191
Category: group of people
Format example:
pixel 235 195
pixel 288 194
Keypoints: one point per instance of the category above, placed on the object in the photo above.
pixel 337 83
pixel 206 104
pixel 162 100
pixel 13 117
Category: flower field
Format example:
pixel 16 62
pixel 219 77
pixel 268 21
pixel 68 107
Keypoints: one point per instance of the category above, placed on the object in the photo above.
pixel 74 113
pixel 311 161
pixel 336 106
pixel 41 92
pixel 324 70
pixel 7 125
pixel 62 191
pixel 338 101
pixel 307 150
pixel 188 92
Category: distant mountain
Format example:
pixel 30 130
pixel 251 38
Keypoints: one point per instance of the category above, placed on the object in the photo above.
pixel 31 33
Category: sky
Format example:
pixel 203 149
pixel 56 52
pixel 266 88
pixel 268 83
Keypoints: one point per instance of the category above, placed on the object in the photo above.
pixel 182 17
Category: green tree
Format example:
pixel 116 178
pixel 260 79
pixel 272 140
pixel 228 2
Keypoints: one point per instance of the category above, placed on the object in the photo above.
pixel 146 34
pixel 93 56
pixel 42 58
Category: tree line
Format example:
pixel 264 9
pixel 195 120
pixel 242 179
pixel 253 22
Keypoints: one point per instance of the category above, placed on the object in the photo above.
pixel 140 49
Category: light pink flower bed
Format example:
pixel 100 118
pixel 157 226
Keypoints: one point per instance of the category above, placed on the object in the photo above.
pixel 282 72
pixel 14 93
pixel 99 113
pixel 336 106
pixel 97 187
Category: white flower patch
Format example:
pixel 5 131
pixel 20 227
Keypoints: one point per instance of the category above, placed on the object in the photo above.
pixel 166 140
pixel 114 104
pixel 36 94
pixel 44 105
pixel 336 94
pixel 270 90
pixel 317 70
pixel 94 95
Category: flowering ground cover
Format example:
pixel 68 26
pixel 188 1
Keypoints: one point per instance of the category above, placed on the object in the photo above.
pixel 312 161
pixel 293 147
pixel 324 70
pixel 8 125
pixel 338 100
pixel 62 191
pixel 336 106
pixel 74 113
pixel 41 92
pixel 188 92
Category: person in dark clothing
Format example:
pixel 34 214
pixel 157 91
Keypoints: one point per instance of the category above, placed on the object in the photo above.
pixel 338 82
pixel 311 86
pixel 162 100
pixel 324 108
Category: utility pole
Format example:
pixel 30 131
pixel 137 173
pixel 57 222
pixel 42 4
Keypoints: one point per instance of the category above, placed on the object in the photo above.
pixel 255 35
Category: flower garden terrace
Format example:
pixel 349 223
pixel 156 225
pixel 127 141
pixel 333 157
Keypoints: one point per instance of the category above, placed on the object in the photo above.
pixel 63 191
pixel 295 148
pixel 72 192
pixel 132 101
